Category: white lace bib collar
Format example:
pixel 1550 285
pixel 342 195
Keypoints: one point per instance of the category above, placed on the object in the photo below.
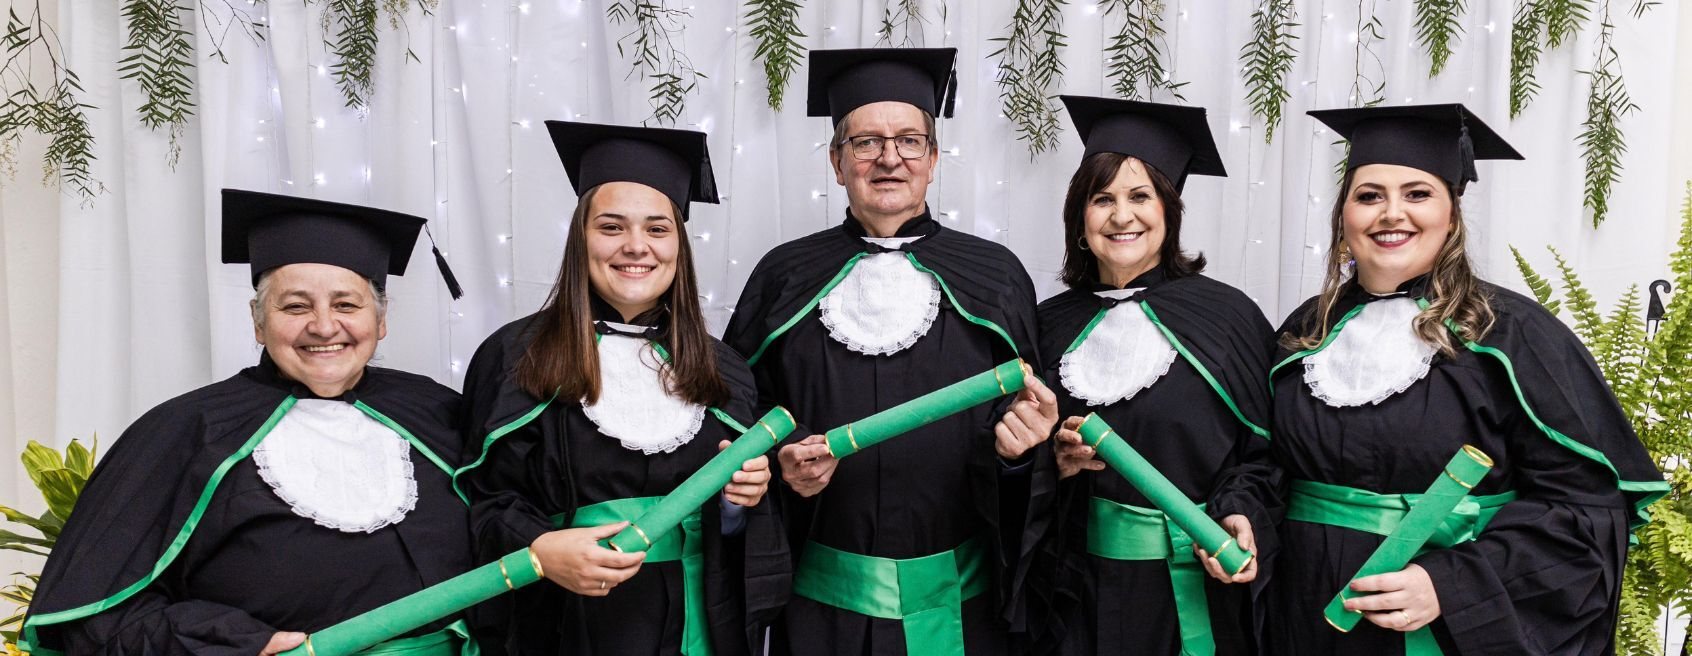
pixel 338 467
pixel 635 407
pixel 1124 353
pixel 1375 355
pixel 884 305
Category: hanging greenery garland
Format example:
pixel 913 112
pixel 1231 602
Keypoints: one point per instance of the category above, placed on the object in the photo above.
pixel 1601 141
pixel 774 27
pixel 159 51
pixel 904 17
pixel 1267 59
pixel 1368 72
pixel 1030 72
pixel 1527 28
pixel 353 44
pixel 656 57
pixel 48 108
pixel 1135 55
pixel 1439 27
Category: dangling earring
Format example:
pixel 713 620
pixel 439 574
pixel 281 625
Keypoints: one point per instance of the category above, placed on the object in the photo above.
pixel 1081 243
pixel 1348 264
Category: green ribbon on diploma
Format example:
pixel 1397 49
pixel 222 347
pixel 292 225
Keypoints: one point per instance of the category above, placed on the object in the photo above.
pixel 925 594
pixel 1182 511
pixel 668 546
pixel 926 409
pixel 1119 531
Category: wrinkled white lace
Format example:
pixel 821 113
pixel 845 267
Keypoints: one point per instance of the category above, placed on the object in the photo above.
pixel 884 305
pixel 338 467
pixel 1377 354
pixel 1124 354
pixel 634 406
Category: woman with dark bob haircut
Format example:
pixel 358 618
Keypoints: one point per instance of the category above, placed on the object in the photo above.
pixel 1175 363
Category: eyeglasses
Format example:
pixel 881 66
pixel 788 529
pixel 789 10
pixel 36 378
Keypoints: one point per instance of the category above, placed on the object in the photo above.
pixel 909 146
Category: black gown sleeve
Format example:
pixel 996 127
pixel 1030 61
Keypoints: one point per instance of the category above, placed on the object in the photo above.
pixel 150 624
pixel 511 472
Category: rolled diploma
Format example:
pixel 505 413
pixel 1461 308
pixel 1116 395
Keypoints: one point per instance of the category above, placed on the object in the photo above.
pixel 926 409
pixel 1466 469
pixel 1144 477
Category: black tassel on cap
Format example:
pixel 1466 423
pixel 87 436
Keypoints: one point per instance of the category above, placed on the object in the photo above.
pixel 951 95
pixel 453 287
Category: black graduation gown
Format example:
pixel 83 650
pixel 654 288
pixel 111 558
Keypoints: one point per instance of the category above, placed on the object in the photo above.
pixel 559 462
pixel 1183 426
pixel 252 566
pixel 1544 575
pixel 924 492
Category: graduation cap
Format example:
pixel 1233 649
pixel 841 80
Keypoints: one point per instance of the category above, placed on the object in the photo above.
pixel 675 162
pixel 1173 139
pixel 274 230
pixel 1444 140
pixel 844 80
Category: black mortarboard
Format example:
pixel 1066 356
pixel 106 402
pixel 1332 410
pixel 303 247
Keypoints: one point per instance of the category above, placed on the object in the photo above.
pixel 844 80
pixel 675 162
pixel 1173 139
pixel 1444 140
pixel 273 230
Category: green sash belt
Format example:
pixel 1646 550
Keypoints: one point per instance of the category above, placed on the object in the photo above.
pixel 1370 512
pixel 445 642
pixel 684 546
pixel 926 593
pixel 1119 531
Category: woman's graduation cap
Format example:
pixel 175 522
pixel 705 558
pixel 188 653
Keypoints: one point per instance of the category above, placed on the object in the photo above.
pixel 1173 139
pixel 675 162
pixel 1444 140
pixel 274 230
pixel 844 80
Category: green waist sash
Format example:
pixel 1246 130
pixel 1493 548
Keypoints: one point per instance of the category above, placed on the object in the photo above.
pixel 684 545
pixel 926 594
pixel 1119 531
pixel 445 642
pixel 1380 514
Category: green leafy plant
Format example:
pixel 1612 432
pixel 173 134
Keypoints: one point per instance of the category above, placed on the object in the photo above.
pixel 904 17
pixel 351 31
pixel 1368 72
pixel 1652 378
pixel 60 478
pixel 1563 19
pixel 1267 58
pixel 1030 72
pixel 1438 27
pixel 1135 55
pixel 774 26
pixel 47 107
pixel 1527 29
pixel 161 52
pixel 656 57
pixel 1602 143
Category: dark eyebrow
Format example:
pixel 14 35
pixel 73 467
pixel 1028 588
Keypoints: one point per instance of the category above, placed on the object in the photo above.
pixel 610 215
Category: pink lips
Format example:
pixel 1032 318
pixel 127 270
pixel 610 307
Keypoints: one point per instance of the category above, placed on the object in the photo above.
pixel 1409 236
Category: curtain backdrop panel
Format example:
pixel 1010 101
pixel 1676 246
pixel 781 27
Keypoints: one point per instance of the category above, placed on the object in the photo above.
pixel 454 132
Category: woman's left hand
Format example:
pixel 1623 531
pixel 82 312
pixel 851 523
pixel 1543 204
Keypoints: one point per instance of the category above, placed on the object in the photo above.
pixel 1402 600
pixel 748 485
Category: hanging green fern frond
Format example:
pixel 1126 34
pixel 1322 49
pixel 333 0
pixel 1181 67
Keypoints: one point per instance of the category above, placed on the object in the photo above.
pixel 353 24
pixel 47 107
pixel 1136 54
pixel 1439 25
pixel 1602 143
pixel 1588 323
pixel 656 57
pixel 902 18
pixel 774 27
pixel 1563 19
pixel 1526 30
pixel 1030 72
pixel 1267 60
pixel 1536 283
pixel 159 54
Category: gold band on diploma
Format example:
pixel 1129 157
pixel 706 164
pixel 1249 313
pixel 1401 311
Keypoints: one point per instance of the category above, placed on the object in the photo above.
pixel 534 561
pixel 1102 437
pixel 852 438
pixel 506 575
pixel 1224 547
pixel 1332 624
pixel 309 650
pixel 1001 381
pixel 790 418
pixel 771 431
pixel 1466 486
pixel 642 534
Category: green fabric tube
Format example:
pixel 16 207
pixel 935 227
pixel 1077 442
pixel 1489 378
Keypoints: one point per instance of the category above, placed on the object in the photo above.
pixel 514 570
pixel 926 409
pixel 704 483
pixel 1451 487
pixel 1144 477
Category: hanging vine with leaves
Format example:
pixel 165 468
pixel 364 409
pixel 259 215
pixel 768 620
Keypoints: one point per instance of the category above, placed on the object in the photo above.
pixel 657 26
pixel 1439 26
pixel 904 17
pixel 1527 27
pixel 1601 141
pixel 48 108
pixel 1030 72
pixel 1267 59
pixel 1135 56
pixel 1368 72
pixel 774 27
pixel 350 29
pixel 160 56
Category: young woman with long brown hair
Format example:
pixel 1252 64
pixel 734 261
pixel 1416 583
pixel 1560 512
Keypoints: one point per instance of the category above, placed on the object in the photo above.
pixel 605 400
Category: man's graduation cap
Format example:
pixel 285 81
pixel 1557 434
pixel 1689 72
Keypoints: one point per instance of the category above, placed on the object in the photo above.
pixel 274 230
pixel 675 162
pixel 844 80
pixel 1444 140
pixel 1173 139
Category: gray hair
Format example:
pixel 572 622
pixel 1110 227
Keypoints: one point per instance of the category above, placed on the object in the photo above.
pixel 262 289
pixel 836 145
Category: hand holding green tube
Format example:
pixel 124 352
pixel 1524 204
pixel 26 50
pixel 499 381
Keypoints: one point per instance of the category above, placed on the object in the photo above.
pixel 1007 378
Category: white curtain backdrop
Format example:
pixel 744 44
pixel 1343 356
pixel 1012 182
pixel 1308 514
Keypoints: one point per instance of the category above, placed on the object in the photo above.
pixel 146 311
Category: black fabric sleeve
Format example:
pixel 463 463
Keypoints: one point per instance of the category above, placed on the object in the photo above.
pixel 149 623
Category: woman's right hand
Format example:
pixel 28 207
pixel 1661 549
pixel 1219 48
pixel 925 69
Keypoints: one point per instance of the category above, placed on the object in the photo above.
pixel 572 558
pixel 1073 454
pixel 282 641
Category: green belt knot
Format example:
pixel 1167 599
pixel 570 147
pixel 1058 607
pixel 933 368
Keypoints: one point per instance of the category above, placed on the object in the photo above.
pixel 1119 531
pixel 926 593
pixel 684 545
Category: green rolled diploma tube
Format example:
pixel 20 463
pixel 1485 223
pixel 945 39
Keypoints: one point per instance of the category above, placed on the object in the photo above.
pixel 926 409
pixel 515 570
pixel 1144 477
pixel 1466 469
pixel 704 483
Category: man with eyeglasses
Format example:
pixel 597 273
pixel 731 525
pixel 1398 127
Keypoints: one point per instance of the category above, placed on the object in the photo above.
pixel 913 546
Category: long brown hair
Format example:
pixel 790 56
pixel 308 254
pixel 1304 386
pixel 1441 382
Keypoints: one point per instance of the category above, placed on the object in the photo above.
pixel 1080 266
pixel 1456 292
pixel 564 356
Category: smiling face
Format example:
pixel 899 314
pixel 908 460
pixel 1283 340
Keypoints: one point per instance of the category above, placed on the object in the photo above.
pixel 319 323
pixel 885 191
pixel 633 235
pixel 1396 219
pixel 1125 225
